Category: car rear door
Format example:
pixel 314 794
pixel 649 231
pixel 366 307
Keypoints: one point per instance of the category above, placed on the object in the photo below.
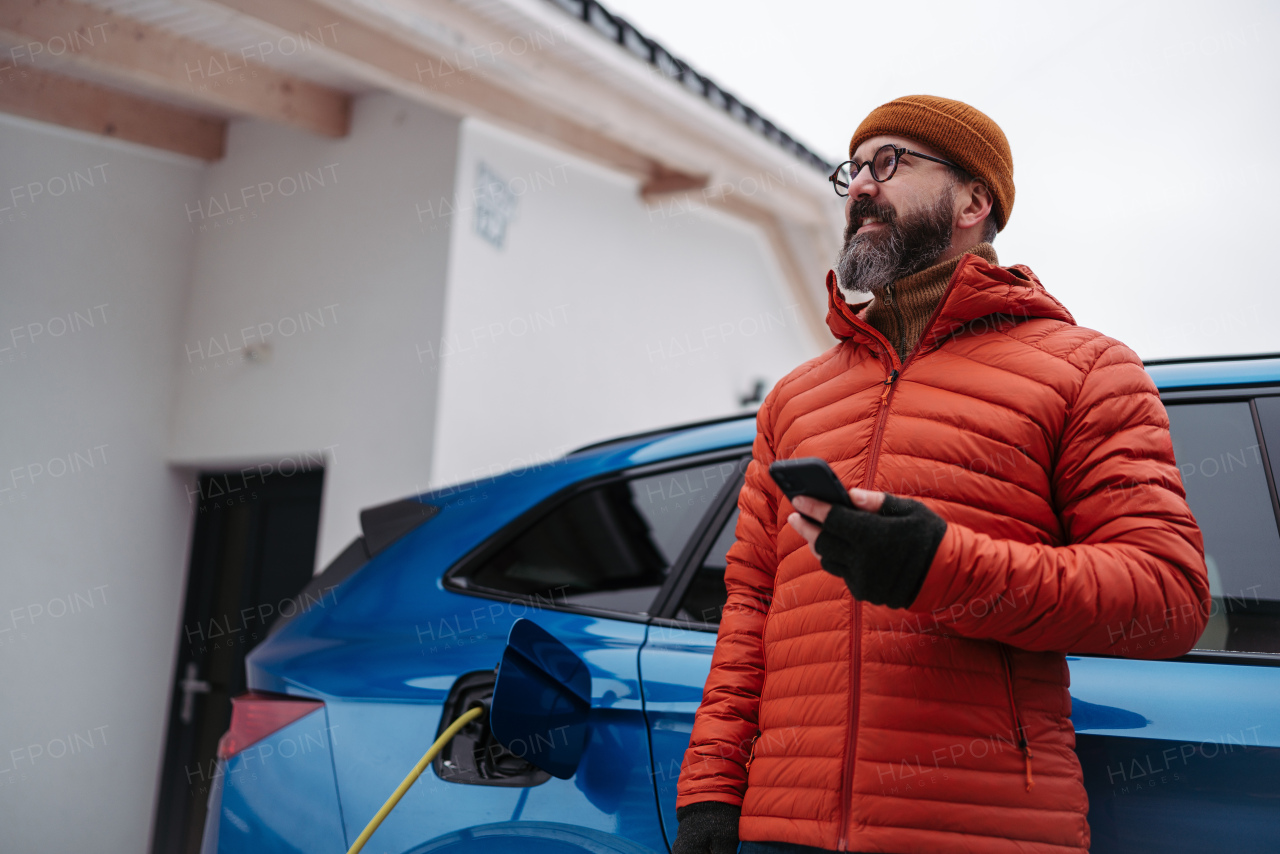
pixel 1184 754
pixel 676 658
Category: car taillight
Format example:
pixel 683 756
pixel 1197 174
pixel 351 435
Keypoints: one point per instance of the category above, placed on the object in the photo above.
pixel 256 715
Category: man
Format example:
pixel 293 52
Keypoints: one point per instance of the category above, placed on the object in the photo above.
pixel 893 679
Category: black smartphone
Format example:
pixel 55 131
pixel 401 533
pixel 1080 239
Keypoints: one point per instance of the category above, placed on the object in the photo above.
pixel 809 476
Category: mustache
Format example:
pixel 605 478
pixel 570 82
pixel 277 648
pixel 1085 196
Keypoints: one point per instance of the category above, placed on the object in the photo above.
pixel 868 207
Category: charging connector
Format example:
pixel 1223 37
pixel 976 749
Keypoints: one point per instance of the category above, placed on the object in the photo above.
pixel 477 709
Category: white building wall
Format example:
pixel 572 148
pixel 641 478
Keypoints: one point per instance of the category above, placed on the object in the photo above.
pixel 94 524
pixel 316 246
pixel 597 315
pixel 163 269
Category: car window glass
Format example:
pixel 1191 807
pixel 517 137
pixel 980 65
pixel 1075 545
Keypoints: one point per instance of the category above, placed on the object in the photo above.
pixel 611 546
pixel 704 601
pixel 1220 458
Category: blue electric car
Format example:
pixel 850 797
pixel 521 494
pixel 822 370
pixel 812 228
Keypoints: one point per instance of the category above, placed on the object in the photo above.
pixel 618 550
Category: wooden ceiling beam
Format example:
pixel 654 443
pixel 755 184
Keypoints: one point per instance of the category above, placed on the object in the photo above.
pixel 78 104
pixel 115 48
pixel 665 181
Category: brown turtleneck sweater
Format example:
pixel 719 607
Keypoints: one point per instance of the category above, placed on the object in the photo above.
pixel 901 312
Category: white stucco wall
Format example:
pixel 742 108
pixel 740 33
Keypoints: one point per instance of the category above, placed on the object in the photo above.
pixel 327 259
pixel 130 282
pixel 598 314
pixel 94 523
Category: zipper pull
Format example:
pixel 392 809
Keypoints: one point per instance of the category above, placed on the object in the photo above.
pixel 888 383
pixel 1017 719
pixel 751 754
pixel 888 294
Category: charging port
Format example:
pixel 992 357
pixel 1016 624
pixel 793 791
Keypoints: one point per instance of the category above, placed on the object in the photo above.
pixel 474 756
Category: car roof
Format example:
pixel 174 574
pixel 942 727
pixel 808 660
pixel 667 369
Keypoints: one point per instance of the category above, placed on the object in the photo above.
pixel 1214 371
pixel 662 432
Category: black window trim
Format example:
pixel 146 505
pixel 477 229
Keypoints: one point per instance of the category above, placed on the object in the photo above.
pixel 453 579
pixel 668 601
pixel 1200 656
pixel 1267 468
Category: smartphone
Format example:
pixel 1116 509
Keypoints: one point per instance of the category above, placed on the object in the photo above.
pixel 809 476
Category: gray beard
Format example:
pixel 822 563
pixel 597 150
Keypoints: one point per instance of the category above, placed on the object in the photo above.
pixel 870 262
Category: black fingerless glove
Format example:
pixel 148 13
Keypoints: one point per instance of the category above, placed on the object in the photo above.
pixel 884 556
pixel 707 827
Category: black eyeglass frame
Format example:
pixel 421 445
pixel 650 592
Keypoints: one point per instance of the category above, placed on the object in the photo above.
pixel 898 151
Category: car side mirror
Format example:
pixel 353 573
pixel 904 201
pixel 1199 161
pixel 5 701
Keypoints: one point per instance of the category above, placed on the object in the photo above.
pixel 541 700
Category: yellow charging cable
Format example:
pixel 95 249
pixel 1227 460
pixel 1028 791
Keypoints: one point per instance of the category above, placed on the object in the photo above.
pixel 440 742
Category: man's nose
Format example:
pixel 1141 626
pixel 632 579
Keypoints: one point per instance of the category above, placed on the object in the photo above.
pixel 862 185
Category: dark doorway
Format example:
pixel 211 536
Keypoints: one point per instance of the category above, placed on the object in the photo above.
pixel 252 550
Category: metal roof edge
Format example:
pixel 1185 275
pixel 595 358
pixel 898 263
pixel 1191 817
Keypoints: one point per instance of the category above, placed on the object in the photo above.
pixel 620 31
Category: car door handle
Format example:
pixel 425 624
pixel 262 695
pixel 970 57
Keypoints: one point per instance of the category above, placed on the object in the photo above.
pixel 190 687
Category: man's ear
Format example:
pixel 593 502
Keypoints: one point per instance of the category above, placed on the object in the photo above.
pixel 975 204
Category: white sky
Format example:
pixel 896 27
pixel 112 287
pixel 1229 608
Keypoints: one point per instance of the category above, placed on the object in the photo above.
pixel 1144 135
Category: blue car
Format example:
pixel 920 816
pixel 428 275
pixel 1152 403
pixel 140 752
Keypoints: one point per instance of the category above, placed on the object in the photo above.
pixel 618 550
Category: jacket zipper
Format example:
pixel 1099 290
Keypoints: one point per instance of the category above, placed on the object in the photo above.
pixel 855 639
pixel 876 434
pixel 894 373
pixel 856 642
pixel 1017 719
pixel 851 740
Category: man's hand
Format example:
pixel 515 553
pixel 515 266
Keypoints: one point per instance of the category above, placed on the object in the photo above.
pixel 882 549
pixel 707 827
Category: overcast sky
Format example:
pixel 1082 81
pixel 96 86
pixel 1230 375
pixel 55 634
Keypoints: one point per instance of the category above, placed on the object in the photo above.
pixel 1144 135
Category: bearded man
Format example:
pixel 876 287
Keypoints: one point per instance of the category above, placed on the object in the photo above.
pixel 893 678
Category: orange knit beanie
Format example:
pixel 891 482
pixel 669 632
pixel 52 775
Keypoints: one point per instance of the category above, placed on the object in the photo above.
pixel 963 135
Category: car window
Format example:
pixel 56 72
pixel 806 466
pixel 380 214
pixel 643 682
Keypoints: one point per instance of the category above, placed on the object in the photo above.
pixel 704 600
pixel 1221 460
pixel 611 546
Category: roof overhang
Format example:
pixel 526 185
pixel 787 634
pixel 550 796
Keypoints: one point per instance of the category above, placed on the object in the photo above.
pixel 153 72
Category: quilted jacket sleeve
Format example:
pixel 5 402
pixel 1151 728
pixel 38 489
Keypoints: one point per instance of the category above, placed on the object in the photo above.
pixel 725 725
pixel 1131 580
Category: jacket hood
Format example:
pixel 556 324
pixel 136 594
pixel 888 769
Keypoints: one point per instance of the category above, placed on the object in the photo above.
pixel 976 289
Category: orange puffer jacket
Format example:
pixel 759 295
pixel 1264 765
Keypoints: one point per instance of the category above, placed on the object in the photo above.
pixel 1045 447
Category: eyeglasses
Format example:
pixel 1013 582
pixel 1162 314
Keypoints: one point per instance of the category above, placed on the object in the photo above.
pixel 883 164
